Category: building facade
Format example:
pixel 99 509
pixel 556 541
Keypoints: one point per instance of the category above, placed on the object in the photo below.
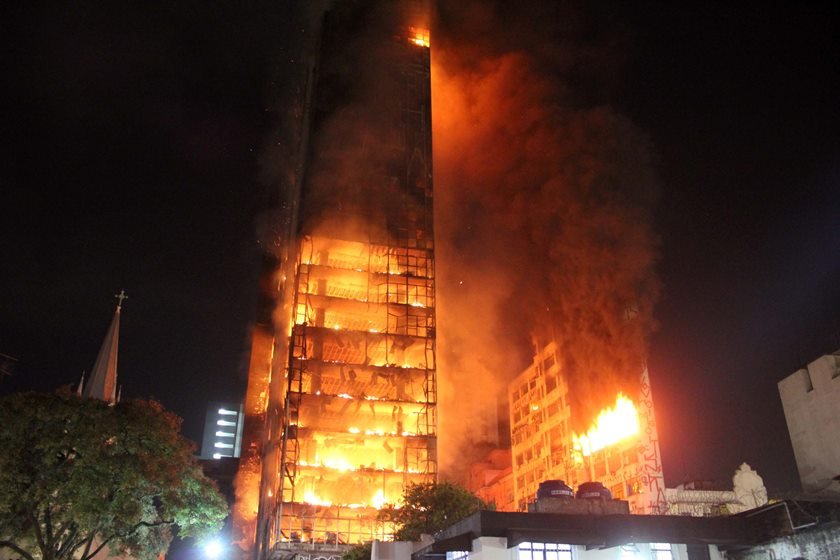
pixel 789 529
pixel 222 435
pixel 341 399
pixel 492 480
pixel 545 447
pixel 811 401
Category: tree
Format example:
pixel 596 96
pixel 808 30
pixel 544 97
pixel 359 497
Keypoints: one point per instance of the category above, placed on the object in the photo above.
pixel 361 551
pixel 78 476
pixel 431 507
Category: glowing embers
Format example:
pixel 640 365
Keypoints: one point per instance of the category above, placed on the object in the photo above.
pixel 330 454
pixel 352 488
pixel 344 414
pixel 354 256
pixel 309 497
pixel 341 315
pixel 367 348
pixel 419 36
pixel 612 426
pixel 378 500
pixel 371 383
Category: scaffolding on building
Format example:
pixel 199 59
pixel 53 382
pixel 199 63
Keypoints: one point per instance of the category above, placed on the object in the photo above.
pixel 351 415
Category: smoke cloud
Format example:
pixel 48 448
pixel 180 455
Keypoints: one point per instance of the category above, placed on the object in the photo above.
pixel 543 213
pixel 543 194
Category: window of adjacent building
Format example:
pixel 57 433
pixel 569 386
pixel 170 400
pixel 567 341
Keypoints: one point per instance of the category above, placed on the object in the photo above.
pixel 600 468
pixel 661 551
pixel 614 462
pixel 544 551
pixel 457 555
pixel 634 486
pixel 548 362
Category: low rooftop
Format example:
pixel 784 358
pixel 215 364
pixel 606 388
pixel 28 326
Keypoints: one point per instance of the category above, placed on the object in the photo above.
pixel 743 530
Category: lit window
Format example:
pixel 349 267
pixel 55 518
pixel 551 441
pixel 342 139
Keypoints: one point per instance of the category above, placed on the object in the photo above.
pixel 457 555
pixel 225 423
pixel 217 455
pixel 220 433
pixel 545 551
pixel 661 551
pixel 223 445
pixel 226 412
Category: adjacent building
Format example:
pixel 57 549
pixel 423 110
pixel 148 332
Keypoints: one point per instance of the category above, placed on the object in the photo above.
pixel 811 401
pixel 492 480
pixel 624 455
pixel 222 435
pixel 786 529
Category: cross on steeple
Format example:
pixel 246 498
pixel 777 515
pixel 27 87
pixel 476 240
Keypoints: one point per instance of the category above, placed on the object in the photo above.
pixel 120 296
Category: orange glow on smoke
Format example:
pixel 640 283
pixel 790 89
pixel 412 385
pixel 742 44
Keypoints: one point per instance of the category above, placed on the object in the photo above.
pixel 612 425
pixel 419 36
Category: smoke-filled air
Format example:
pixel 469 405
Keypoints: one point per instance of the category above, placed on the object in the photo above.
pixel 544 195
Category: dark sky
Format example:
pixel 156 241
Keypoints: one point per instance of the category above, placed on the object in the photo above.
pixel 132 141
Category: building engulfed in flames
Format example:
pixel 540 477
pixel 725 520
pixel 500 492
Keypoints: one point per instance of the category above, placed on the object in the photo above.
pixel 620 450
pixel 341 399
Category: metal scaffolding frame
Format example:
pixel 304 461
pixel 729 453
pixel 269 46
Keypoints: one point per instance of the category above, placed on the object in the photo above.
pixel 363 331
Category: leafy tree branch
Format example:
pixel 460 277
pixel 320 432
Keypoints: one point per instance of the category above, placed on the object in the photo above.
pixel 78 476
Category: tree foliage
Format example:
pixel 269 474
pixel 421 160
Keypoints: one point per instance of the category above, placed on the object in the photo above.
pixel 430 507
pixel 361 551
pixel 77 476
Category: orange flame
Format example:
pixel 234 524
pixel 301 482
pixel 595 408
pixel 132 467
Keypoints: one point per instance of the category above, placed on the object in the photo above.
pixel 613 425
pixel 379 500
pixel 310 497
pixel 419 36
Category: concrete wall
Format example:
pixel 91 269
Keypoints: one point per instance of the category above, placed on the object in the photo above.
pixel 492 548
pixel 808 545
pixel 811 401
pixel 640 551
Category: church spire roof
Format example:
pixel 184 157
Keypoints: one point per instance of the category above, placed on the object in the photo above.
pixel 102 383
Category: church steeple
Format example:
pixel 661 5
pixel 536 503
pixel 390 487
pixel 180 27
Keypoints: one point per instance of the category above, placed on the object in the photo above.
pixel 102 383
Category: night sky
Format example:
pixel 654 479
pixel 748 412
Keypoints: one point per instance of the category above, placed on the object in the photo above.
pixel 134 157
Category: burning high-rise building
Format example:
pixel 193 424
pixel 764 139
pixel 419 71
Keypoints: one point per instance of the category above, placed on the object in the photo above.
pixel 341 399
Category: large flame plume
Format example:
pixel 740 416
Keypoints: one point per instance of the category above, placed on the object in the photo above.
pixel 544 196
pixel 613 424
